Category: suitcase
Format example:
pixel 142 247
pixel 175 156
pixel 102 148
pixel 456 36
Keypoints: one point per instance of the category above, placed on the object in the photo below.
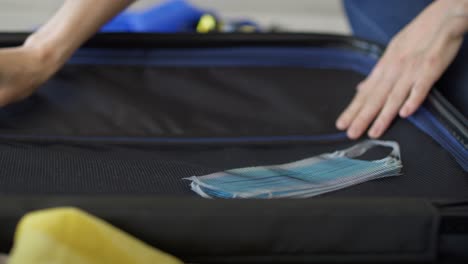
pixel 130 115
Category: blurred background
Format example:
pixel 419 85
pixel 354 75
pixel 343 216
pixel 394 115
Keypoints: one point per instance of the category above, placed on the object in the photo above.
pixel 291 15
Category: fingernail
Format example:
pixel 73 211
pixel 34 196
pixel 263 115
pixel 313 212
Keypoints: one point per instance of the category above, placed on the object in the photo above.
pixel 404 112
pixel 375 131
pixel 352 133
pixel 340 124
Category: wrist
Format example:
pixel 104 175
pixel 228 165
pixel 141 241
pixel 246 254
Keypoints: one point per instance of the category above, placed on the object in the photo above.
pixel 45 52
pixel 456 17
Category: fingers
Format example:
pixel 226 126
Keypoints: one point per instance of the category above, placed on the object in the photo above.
pixel 391 95
pixel 9 95
pixel 416 98
pixel 432 68
pixel 6 96
pixel 380 97
pixel 375 100
pixel 414 60
pixel 419 92
pixel 369 100
pixel 390 110
pixel 352 110
pixel 363 90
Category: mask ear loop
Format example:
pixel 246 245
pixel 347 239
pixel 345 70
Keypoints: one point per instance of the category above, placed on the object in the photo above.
pixel 361 148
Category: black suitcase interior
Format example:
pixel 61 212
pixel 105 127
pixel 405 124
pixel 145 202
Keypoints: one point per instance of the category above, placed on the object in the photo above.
pixel 130 115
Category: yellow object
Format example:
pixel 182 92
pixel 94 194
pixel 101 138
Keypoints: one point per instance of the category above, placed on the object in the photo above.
pixel 248 29
pixel 206 24
pixel 70 236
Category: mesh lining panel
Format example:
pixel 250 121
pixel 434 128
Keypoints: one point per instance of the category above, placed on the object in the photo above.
pixel 140 101
pixel 95 101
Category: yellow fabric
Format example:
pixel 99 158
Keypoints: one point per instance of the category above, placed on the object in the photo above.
pixel 70 236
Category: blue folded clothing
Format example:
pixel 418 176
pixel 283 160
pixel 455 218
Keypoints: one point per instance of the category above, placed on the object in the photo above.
pixel 168 17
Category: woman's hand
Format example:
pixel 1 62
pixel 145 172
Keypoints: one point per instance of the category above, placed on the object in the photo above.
pixel 414 60
pixel 25 68
pixel 22 70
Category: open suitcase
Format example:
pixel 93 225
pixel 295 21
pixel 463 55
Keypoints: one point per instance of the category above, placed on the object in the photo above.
pixel 130 115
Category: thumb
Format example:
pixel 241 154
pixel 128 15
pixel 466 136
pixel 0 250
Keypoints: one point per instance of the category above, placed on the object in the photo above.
pixel 6 96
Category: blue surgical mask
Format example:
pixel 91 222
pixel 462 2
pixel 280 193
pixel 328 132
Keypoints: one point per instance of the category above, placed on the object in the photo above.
pixel 304 178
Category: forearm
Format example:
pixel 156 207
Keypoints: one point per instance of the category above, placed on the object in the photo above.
pixel 464 15
pixel 71 26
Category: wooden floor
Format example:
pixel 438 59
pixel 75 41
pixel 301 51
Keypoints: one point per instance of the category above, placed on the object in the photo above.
pixel 294 15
